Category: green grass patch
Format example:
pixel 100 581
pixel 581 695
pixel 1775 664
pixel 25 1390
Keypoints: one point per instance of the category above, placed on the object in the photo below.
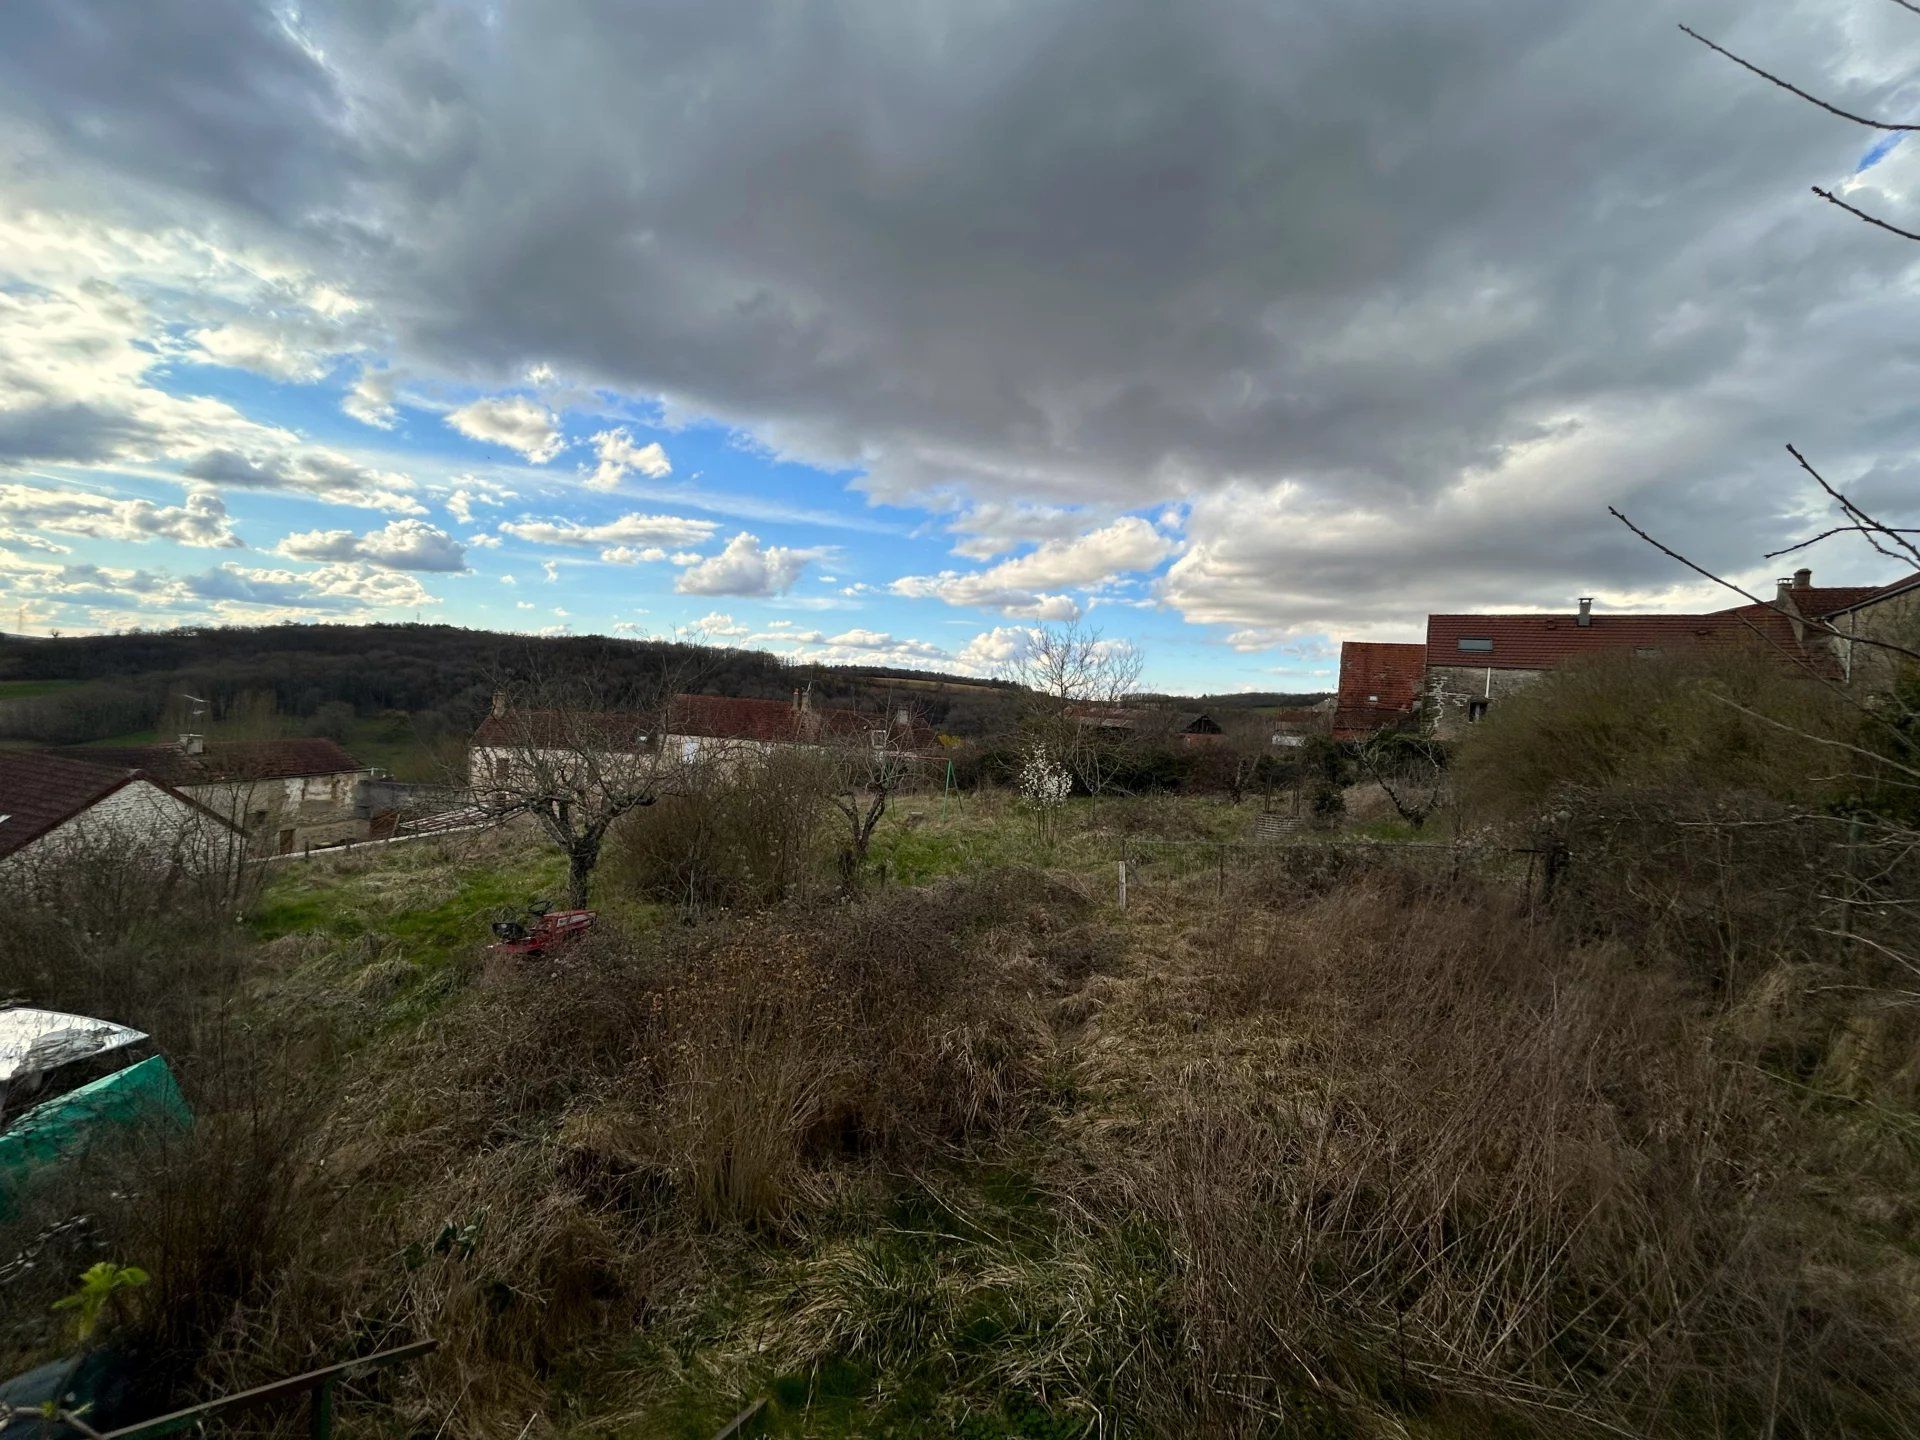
pixel 428 900
pixel 32 689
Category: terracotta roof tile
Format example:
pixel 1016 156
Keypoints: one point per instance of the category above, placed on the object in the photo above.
pixel 1540 642
pixel 1379 683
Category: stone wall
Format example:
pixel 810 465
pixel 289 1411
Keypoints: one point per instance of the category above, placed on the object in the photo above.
pixel 1869 669
pixel 1452 690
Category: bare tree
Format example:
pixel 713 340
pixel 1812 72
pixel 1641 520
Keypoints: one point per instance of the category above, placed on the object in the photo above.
pixel 867 766
pixel 1076 683
pixel 576 751
pixel 1409 769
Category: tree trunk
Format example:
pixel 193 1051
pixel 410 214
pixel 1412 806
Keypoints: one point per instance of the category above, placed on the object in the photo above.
pixel 581 858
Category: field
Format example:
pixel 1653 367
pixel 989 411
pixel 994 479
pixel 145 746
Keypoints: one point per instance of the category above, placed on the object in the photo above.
pixel 1341 1136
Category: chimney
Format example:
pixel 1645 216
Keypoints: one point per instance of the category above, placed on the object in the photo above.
pixel 193 744
pixel 1585 617
pixel 1803 579
pixel 806 699
pixel 1782 589
pixel 499 703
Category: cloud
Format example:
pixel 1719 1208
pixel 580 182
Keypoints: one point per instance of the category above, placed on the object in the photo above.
pixel 370 401
pixel 294 348
pixel 322 473
pixel 745 568
pixel 470 491
pixel 201 520
pixel 1027 586
pixel 513 421
pixel 401 545
pixel 628 530
pixel 618 454
pixel 1353 275
pixel 994 527
pixel 991 652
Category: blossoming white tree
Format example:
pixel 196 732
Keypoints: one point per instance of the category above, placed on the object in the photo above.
pixel 1044 784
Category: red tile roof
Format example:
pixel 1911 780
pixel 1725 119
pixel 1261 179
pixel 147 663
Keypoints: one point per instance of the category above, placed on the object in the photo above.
pixel 1818 602
pixel 223 760
pixel 1379 683
pixel 40 791
pixel 1540 642
pixel 563 729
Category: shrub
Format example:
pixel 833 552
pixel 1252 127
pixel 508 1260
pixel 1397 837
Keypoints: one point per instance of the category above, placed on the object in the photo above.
pixel 1646 724
pixel 735 834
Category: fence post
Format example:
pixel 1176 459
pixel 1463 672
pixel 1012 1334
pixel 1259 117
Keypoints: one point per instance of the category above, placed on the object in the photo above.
pixel 1123 883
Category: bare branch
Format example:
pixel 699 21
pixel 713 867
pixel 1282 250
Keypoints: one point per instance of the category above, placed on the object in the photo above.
pixel 1773 79
pixel 1833 199
pixel 1854 512
pixel 1837 530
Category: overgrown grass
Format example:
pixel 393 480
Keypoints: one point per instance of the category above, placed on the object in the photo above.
pixel 1328 1142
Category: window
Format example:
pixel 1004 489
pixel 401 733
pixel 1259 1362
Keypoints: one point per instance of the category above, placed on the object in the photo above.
pixel 1646 652
pixel 1482 643
pixel 1373 699
pixel 1476 711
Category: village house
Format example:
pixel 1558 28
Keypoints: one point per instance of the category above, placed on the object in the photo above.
pixel 288 795
pixel 50 805
pixel 697 728
pixel 1470 662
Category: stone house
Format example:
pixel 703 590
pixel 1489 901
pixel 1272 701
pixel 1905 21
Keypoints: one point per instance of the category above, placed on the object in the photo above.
pixel 1473 661
pixel 1470 662
pixel 288 795
pixel 50 804
pixel 1852 624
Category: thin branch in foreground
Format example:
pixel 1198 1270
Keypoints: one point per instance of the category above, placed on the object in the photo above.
pixel 1791 88
pixel 1908 5
pixel 1833 199
pixel 1854 513
pixel 1838 530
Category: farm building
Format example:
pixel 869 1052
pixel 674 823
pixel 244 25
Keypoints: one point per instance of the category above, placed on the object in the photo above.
pixel 50 804
pixel 286 794
pixel 1848 634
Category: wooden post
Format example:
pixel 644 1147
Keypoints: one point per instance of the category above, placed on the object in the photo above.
pixel 1123 883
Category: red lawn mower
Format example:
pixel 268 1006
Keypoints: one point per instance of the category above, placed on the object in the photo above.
pixel 543 930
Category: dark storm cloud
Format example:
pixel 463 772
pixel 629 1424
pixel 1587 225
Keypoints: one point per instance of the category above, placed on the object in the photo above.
pixel 1105 250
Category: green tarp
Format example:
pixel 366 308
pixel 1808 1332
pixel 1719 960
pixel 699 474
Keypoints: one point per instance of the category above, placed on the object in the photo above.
pixel 140 1095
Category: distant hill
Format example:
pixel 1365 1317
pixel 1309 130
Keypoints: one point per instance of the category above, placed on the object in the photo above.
pixel 442 676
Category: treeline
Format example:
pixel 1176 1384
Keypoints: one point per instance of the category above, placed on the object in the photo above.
pixel 440 675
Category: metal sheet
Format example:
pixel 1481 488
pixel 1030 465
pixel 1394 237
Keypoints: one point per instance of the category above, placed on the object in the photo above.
pixel 35 1041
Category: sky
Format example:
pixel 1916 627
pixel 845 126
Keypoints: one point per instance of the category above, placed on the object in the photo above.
pixel 882 332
